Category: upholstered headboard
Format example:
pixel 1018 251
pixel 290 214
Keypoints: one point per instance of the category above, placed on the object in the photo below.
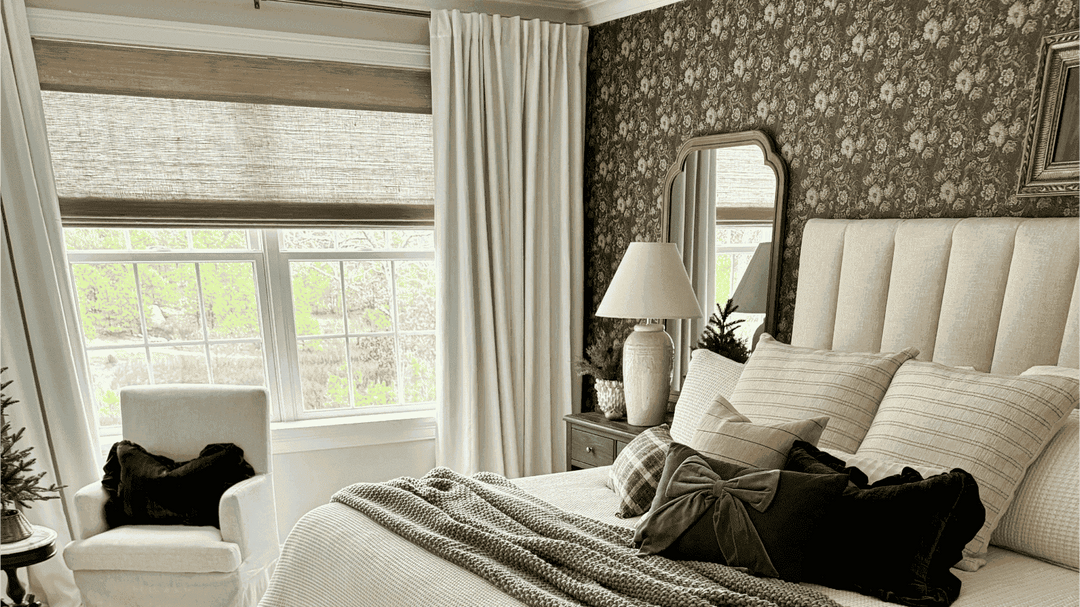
pixel 997 294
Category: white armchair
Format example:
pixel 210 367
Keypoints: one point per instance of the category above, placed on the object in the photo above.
pixel 175 564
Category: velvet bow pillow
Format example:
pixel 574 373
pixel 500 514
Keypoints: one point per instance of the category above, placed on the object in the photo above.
pixel 709 510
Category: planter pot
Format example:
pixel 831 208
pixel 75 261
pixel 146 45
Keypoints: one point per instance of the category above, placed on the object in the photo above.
pixel 14 527
pixel 610 398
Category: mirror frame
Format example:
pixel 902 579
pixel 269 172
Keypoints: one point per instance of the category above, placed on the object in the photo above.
pixel 773 161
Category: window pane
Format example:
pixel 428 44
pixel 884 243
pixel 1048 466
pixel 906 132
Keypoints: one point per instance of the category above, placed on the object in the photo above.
pixel 413 240
pixel 374 379
pixel 307 240
pixel 93 239
pixel 238 364
pixel 111 370
pixel 416 295
pixel 361 240
pixel 232 307
pixel 108 303
pixel 179 365
pixel 316 288
pixel 159 239
pixel 215 240
pixel 368 293
pixel 418 368
pixel 170 297
pixel 324 374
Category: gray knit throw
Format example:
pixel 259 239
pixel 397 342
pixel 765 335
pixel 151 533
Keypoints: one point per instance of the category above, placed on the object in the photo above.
pixel 545 556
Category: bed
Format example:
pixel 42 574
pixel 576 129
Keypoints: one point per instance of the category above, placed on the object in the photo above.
pixel 991 296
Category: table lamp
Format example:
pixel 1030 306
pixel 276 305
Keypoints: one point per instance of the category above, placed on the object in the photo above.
pixel 651 283
pixel 752 294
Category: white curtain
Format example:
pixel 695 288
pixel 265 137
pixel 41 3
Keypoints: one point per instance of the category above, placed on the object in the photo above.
pixel 693 229
pixel 38 311
pixel 509 114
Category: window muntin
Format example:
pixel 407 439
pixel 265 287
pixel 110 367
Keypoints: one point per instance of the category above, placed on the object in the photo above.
pixel 197 306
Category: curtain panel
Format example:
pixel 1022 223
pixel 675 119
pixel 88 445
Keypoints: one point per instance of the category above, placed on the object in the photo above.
pixel 693 229
pixel 38 310
pixel 508 111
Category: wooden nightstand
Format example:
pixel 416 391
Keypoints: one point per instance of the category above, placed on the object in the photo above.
pixel 593 440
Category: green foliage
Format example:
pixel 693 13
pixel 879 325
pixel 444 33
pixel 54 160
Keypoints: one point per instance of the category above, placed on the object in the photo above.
pixel 18 485
pixel 602 362
pixel 719 335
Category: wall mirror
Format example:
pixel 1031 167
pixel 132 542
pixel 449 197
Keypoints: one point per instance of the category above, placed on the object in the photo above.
pixel 723 206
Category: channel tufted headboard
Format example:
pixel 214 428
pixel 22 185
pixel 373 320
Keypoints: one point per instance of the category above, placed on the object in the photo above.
pixel 997 294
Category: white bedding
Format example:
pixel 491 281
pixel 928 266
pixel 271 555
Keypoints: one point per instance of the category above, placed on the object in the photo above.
pixel 336 556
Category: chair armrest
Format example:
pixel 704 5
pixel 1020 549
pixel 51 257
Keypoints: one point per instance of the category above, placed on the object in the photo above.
pixel 90 509
pixel 249 519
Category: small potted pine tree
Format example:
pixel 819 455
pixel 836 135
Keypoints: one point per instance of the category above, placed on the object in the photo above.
pixel 719 335
pixel 19 486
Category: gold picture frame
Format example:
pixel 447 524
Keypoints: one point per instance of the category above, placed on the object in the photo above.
pixel 1050 165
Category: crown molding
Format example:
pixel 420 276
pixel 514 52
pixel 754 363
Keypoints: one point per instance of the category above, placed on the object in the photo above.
pixel 130 31
pixel 596 12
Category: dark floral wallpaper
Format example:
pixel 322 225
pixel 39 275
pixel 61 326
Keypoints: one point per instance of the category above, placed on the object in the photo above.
pixel 881 108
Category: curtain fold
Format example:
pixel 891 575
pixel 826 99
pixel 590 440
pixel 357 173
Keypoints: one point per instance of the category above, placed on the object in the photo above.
pixel 508 110
pixel 38 310
pixel 693 229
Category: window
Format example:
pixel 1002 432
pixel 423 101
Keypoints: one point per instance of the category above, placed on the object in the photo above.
pixel 233 243
pixel 735 246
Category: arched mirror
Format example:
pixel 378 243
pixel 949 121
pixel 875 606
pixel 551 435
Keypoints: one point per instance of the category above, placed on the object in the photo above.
pixel 723 206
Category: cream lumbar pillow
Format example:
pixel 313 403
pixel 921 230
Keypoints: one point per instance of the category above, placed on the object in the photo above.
pixel 785 383
pixel 992 426
pixel 725 434
pixel 709 375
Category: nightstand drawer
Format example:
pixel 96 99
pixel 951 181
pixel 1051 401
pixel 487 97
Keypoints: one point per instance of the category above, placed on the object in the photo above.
pixel 591 449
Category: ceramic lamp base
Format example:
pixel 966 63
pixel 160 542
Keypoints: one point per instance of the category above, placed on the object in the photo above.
pixel 647 359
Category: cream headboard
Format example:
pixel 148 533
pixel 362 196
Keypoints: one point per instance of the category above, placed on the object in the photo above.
pixel 998 294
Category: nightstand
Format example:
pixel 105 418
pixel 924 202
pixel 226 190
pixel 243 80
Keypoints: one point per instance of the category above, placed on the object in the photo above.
pixel 593 440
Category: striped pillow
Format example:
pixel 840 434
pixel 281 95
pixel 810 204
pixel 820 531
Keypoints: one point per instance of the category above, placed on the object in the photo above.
pixel 992 426
pixel 728 436
pixel 636 471
pixel 784 383
pixel 709 375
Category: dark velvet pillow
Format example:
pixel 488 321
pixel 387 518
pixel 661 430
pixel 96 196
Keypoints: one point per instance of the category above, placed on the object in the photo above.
pixel 895 539
pixel 782 529
pixel 148 489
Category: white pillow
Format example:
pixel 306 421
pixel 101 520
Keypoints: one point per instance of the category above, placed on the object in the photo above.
pixel 992 426
pixel 877 469
pixel 784 383
pixel 710 375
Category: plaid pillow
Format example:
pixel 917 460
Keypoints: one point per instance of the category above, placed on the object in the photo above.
pixel 636 471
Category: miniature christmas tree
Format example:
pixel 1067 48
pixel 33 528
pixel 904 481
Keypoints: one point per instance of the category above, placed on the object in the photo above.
pixel 719 334
pixel 19 486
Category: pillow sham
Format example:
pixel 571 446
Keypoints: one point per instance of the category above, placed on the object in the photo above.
pixel 784 383
pixel 724 434
pixel 895 539
pixel 710 510
pixel 708 375
pixel 1044 517
pixel 993 426
pixel 148 489
pixel 636 472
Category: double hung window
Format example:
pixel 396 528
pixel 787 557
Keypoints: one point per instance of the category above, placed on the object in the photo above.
pixel 236 243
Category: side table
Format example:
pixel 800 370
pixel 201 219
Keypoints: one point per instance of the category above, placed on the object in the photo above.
pixel 39 547
pixel 593 440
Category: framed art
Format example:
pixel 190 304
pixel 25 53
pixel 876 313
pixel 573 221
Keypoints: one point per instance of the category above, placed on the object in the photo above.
pixel 1050 165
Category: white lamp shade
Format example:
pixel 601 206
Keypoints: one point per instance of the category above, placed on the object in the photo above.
pixel 753 290
pixel 651 282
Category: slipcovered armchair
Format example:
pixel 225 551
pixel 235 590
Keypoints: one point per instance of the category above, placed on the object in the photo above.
pixel 176 564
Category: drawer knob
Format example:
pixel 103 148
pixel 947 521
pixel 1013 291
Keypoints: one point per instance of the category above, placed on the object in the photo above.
pixel 588 449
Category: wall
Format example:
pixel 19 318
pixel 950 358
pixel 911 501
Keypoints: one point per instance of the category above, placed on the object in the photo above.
pixel 881 108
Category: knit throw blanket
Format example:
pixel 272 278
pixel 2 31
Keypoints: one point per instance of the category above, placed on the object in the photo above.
pixel 542 555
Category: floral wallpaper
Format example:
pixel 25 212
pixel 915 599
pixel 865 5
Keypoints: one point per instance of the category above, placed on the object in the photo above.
pixel 881 108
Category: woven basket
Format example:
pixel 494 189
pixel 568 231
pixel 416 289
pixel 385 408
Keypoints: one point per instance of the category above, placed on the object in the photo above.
pixel 610 398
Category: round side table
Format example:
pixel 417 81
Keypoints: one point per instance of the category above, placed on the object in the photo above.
pixel 39 547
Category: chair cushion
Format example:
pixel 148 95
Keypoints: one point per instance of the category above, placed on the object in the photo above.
pixel 160 548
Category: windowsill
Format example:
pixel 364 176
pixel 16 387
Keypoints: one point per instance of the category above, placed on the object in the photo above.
pixel 352 431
